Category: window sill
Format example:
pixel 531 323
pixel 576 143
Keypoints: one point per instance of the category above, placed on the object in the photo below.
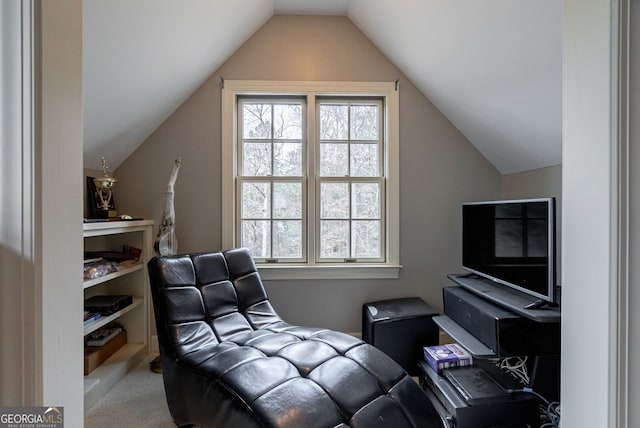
pixel 302 272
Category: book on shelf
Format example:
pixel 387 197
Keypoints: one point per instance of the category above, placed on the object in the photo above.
pixel 441 357
pixel 96 355
pixel 103 335
pixel 91 316
pixel 110 218
pixel 129 252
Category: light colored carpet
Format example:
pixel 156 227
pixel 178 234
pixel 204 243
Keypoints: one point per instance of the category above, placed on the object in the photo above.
pixel 138 400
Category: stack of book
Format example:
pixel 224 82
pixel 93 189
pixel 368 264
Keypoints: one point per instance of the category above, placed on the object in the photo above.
pixel 103 335
pixel 441 357
pixel 101 345
pixel 90 316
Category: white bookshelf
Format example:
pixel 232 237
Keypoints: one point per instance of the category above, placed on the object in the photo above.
pixel 132 280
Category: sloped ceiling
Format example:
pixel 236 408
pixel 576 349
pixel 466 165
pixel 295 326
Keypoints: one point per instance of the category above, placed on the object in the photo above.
pixel 492 67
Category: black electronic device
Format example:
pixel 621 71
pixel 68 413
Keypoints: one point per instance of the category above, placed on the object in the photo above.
pixel 506 409
pixel 508 298
pixel 504 332
pixel 512 242
pixel 475 386
pixel 107 304
pixel 401 328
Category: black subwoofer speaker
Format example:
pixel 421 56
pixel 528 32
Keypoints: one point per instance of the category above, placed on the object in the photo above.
pixel 400 328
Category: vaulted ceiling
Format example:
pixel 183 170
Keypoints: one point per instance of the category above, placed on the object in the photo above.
pixel 493 68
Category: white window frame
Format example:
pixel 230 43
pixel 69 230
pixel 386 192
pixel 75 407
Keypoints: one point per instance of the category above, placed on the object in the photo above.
pixel 350 179
pixel 240 179
pixel 232 89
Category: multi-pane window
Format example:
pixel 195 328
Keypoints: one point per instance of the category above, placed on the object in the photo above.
pixel 350 180
pixel 271 178
pixel 310 177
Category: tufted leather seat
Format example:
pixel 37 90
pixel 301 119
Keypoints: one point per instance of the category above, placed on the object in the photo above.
pixel 228 360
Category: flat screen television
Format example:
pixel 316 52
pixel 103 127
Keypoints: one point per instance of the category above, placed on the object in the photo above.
pixel 512 242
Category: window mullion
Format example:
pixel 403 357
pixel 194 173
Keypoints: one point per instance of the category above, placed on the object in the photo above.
pixel 313 155
pixel 272 215
pixel 272 187
pixel 273 146
pixel 349 173
pixel 350 185
pixel 350 219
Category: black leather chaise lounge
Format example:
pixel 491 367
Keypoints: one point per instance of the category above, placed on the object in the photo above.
pixel 228 360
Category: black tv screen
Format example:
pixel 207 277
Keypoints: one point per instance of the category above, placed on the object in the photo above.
pixel 512 243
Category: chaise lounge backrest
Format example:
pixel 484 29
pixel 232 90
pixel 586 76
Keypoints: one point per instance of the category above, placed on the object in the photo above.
pixel 229 360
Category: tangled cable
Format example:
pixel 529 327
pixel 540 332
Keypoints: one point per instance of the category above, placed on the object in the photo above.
pixel 517 367
pixel 549 412
pixel 552 415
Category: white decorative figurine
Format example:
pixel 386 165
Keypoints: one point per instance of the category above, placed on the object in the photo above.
pixel 166 243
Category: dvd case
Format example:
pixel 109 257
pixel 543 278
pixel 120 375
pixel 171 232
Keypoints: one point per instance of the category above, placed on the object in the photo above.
pixel 440 357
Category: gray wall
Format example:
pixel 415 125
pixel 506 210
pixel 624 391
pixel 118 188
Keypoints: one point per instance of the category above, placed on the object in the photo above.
pixel 439 168
pixel 539 183
pixel 634 233
pixel 40 224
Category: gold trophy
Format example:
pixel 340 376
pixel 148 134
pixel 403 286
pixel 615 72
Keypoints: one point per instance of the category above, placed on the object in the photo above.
pixel 104 190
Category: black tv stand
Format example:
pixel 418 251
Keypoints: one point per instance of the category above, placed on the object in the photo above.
pixel 508 298
pixel 511 409
pixel 489 320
